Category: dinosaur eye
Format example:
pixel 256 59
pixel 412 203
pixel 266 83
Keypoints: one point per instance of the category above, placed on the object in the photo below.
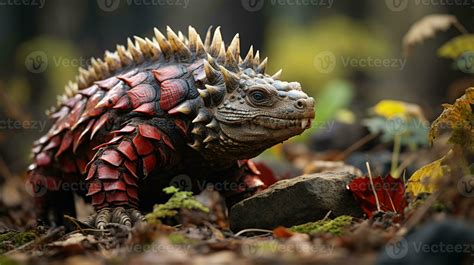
pixel 258 96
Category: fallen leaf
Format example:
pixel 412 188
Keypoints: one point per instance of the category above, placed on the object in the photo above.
pixel 390 194
pixel 282 232
pixel 424 179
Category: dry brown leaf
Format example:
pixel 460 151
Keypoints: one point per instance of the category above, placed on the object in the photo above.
pixel 426 28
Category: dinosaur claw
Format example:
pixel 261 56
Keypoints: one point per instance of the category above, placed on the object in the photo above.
pixel 117 215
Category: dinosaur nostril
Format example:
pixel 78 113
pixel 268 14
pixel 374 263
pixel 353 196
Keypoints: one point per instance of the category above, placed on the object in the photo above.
pixel 300 103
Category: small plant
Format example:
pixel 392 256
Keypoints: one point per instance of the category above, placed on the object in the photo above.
pixel 179 200
pixel 401 123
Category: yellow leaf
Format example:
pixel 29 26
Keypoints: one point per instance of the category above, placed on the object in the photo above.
pixel 457 46
pixel 458 119
pixel 424 180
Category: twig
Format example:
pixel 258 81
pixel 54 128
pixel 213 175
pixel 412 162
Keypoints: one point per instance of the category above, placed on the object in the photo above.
pixel 460 27
pixel 326 216
pixel 373 187
pixel 355 146
pixel 252 230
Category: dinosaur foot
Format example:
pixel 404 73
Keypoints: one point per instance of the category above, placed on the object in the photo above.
pixel 117 215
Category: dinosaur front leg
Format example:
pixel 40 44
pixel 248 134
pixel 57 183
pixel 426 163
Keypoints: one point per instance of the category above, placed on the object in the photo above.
pixel 113 174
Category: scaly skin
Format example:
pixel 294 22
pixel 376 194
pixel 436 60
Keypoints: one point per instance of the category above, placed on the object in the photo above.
pixel 161 108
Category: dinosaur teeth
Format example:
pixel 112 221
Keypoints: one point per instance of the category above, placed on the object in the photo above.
pixel 304 122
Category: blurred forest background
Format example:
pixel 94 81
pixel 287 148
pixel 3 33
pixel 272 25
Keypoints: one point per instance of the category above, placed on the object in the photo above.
pixel 66 33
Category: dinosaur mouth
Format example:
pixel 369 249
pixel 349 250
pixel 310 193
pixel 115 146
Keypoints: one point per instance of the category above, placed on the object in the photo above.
pixel 279 123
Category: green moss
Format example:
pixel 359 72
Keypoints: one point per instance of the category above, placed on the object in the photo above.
pixel 178 200
pixel 335 227
pixel 16 238
pixel 179 239
pixel 7 261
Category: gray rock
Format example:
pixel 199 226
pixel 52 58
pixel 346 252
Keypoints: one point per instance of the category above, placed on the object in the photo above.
pixel 289 202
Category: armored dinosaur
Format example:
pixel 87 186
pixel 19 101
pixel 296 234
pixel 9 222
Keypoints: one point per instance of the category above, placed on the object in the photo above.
pixel 161 107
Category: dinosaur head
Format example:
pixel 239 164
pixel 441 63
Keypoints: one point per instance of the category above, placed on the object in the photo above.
pixel 245 110
pixel 263 111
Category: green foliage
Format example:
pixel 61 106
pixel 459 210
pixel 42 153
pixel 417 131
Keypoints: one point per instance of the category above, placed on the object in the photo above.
pixel 16 238
pixel 179 200
pixel 413 132
pixel 336 95
pixel 335 227
pixel 294 47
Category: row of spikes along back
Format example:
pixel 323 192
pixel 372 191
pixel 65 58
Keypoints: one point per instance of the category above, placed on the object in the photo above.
pixel 175 47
